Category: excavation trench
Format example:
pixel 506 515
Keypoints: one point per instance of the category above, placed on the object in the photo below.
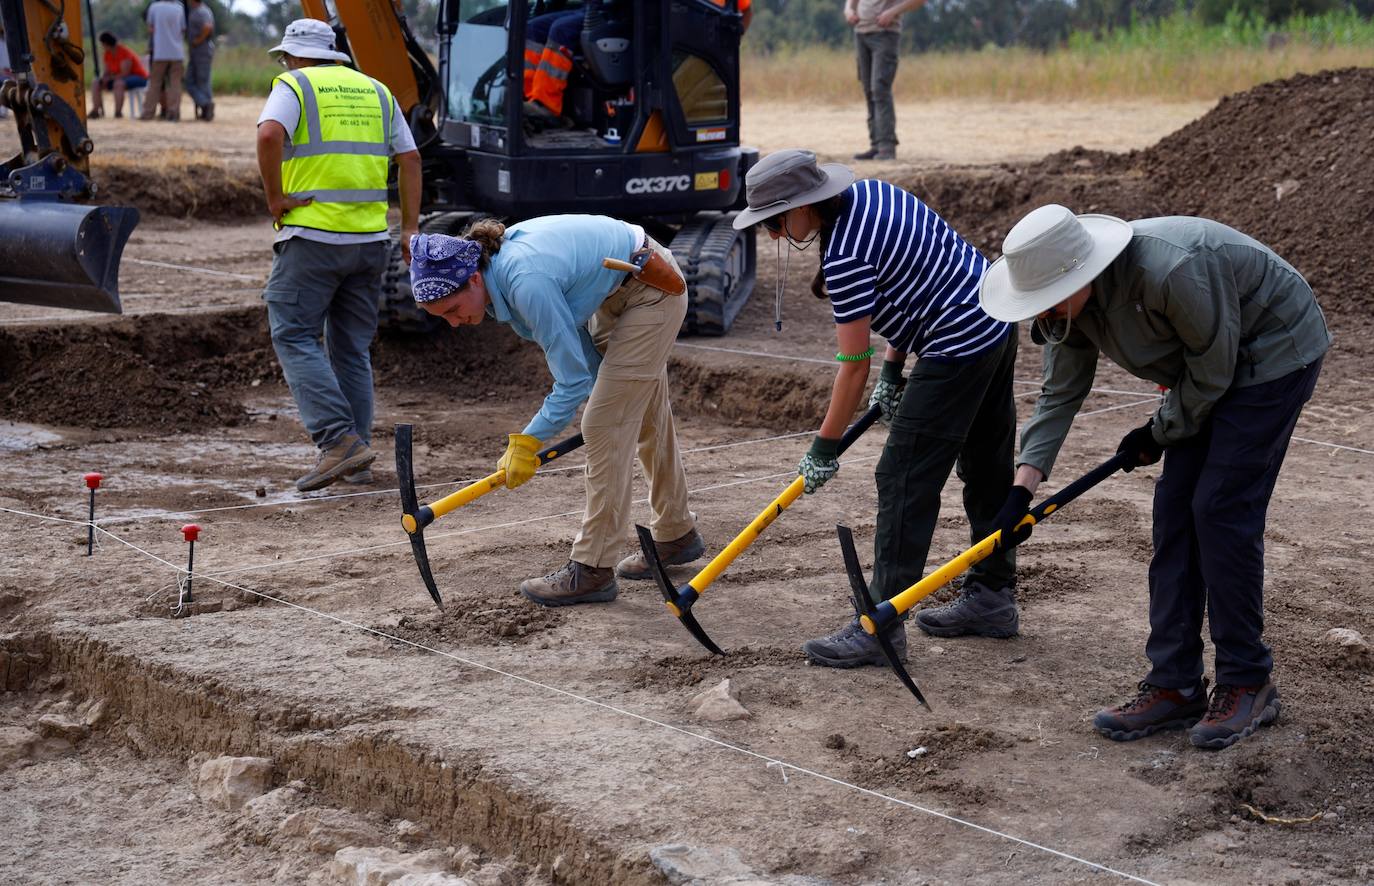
pixel 351 764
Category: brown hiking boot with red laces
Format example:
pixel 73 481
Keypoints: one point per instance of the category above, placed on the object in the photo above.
pixel 1154 708
pixel 1235 713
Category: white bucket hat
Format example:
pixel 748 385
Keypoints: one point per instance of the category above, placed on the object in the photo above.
pixel 788 178
pixel 1047 257
pixel 309 38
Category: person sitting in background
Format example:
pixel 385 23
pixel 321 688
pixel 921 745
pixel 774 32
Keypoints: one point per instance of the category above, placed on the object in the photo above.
pixel 124 70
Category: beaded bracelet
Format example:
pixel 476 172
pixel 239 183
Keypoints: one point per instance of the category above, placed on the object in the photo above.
pixel 853 358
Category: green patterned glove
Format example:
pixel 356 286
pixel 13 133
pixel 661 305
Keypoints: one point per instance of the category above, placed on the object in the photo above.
pixel 821 462
pixel 887 393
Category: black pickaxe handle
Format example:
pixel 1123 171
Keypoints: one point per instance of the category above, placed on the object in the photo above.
pixel 680 600
pixel 876 618
pixel 416 517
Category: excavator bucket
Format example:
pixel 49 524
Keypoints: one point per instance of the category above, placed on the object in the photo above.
pixel 63 255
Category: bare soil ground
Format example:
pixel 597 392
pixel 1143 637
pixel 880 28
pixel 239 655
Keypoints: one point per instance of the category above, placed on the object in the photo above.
pixel 564 741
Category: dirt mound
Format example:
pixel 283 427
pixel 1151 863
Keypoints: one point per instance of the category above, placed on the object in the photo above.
pixel 1289 163
pixel 479 619
pixel 156 373
pixel 182 188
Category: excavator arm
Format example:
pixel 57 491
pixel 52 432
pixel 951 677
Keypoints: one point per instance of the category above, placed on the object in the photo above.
pixel 378 36
pixel 55 250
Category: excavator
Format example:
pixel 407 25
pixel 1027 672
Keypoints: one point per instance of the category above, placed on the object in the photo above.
pixel 649 133
pixel 56 247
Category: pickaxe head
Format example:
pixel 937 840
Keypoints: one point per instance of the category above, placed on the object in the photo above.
pixel 678 600
pixel 414 518
pixel 863 606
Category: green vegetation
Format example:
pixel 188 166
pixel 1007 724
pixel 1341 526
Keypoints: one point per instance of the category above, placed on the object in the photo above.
pixel 243 70
pixel 1176 58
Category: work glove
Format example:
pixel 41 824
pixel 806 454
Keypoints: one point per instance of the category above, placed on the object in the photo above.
pixel 521 459
pixel 1013 511
pixel 887 393
pixel 1140 444
pixel 821 462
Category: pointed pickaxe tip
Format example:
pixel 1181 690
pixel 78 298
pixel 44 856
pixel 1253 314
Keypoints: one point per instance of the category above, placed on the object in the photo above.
pixel 678 601
pixel 863 607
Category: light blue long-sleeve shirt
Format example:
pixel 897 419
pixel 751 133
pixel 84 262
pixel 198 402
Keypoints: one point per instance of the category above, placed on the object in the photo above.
pixel 547 282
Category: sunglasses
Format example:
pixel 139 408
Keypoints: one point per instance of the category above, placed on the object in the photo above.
pixel 772 224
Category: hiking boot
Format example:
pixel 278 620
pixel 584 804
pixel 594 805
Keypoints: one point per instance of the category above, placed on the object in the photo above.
pixel 885 154
pixel 1154 708
pixel 361 477
pixel 866 155
pixel 348 455
pixel 977 610
pixel 851 647
pixel 672 553
pixel 1235 712
pixel 572 584
pixel 207 112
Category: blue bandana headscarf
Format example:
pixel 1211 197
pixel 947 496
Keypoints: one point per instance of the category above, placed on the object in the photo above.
pixel 440 265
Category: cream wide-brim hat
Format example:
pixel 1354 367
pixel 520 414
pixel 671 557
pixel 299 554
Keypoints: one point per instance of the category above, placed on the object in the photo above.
pixel 1047 257
pixel 786 179
pixel 308 38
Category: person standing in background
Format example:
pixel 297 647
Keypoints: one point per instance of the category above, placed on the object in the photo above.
pixel 200 36
pixel 167 29
pixel 877 28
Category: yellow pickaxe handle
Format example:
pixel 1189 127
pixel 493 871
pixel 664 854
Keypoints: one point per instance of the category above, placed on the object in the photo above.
pixel 683 598
pixel 711 571
pixel 427 514
pixel 894 607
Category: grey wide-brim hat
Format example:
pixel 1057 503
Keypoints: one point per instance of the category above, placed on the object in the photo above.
pixel 1047 257
pixel 309 38
pixel 787 179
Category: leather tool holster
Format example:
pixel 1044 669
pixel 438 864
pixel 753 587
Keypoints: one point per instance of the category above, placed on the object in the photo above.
pixel 656 271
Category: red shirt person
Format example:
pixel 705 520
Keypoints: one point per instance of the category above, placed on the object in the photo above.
pixel 124 70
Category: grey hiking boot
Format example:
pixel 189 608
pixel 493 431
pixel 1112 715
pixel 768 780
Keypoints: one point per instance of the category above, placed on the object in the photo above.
pixel 852 647
pixel 672 553
pixel 574 583
pixel 350 454
pixel 1235 713
pixel 977 610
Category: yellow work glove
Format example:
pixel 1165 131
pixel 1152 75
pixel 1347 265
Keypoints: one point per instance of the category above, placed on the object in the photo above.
pixel 521 459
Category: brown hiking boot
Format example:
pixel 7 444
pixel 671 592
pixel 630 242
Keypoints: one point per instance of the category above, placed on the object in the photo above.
pixel 573 584
pixel 1154 708
pixel 350 454
pixel 672 553
pixel 1235 713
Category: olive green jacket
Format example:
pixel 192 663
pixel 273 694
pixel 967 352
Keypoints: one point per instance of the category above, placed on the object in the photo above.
pixel 1190 304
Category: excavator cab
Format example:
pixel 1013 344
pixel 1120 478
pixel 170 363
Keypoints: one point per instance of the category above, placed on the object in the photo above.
pixel 647 130
pixel 55 248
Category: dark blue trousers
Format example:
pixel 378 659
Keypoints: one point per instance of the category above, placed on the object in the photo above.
pixel 1211 500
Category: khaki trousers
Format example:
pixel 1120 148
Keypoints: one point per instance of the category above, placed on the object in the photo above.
pixel 628 412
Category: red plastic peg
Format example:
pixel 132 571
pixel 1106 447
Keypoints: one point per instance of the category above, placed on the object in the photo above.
pixel 93 480
pixel 191 531
pixel 92 483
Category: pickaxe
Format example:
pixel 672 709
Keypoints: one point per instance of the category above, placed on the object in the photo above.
pixel 876 618
pixel 415 517
pixel 680 600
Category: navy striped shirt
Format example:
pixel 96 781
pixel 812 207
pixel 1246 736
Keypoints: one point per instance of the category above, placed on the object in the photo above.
pixel 892 259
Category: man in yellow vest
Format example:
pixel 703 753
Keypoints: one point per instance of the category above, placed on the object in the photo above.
pixel 325 141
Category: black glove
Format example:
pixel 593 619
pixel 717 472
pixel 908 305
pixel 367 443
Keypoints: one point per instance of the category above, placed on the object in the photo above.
pixel 1141 445
pixel 1013 512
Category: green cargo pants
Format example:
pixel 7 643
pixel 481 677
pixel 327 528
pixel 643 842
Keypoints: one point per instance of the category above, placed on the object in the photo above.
pixel 958 415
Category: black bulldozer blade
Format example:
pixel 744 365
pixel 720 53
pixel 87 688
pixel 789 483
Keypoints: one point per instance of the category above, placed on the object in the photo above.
pixel 680 604
pixel 410 506
pixel 863 605
pixel 63 255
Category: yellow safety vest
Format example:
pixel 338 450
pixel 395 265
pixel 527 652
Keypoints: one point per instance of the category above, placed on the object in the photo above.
pixel 340 150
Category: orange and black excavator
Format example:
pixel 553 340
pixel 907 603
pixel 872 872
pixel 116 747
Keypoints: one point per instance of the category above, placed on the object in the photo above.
pixel 642 124
pixel 56 248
